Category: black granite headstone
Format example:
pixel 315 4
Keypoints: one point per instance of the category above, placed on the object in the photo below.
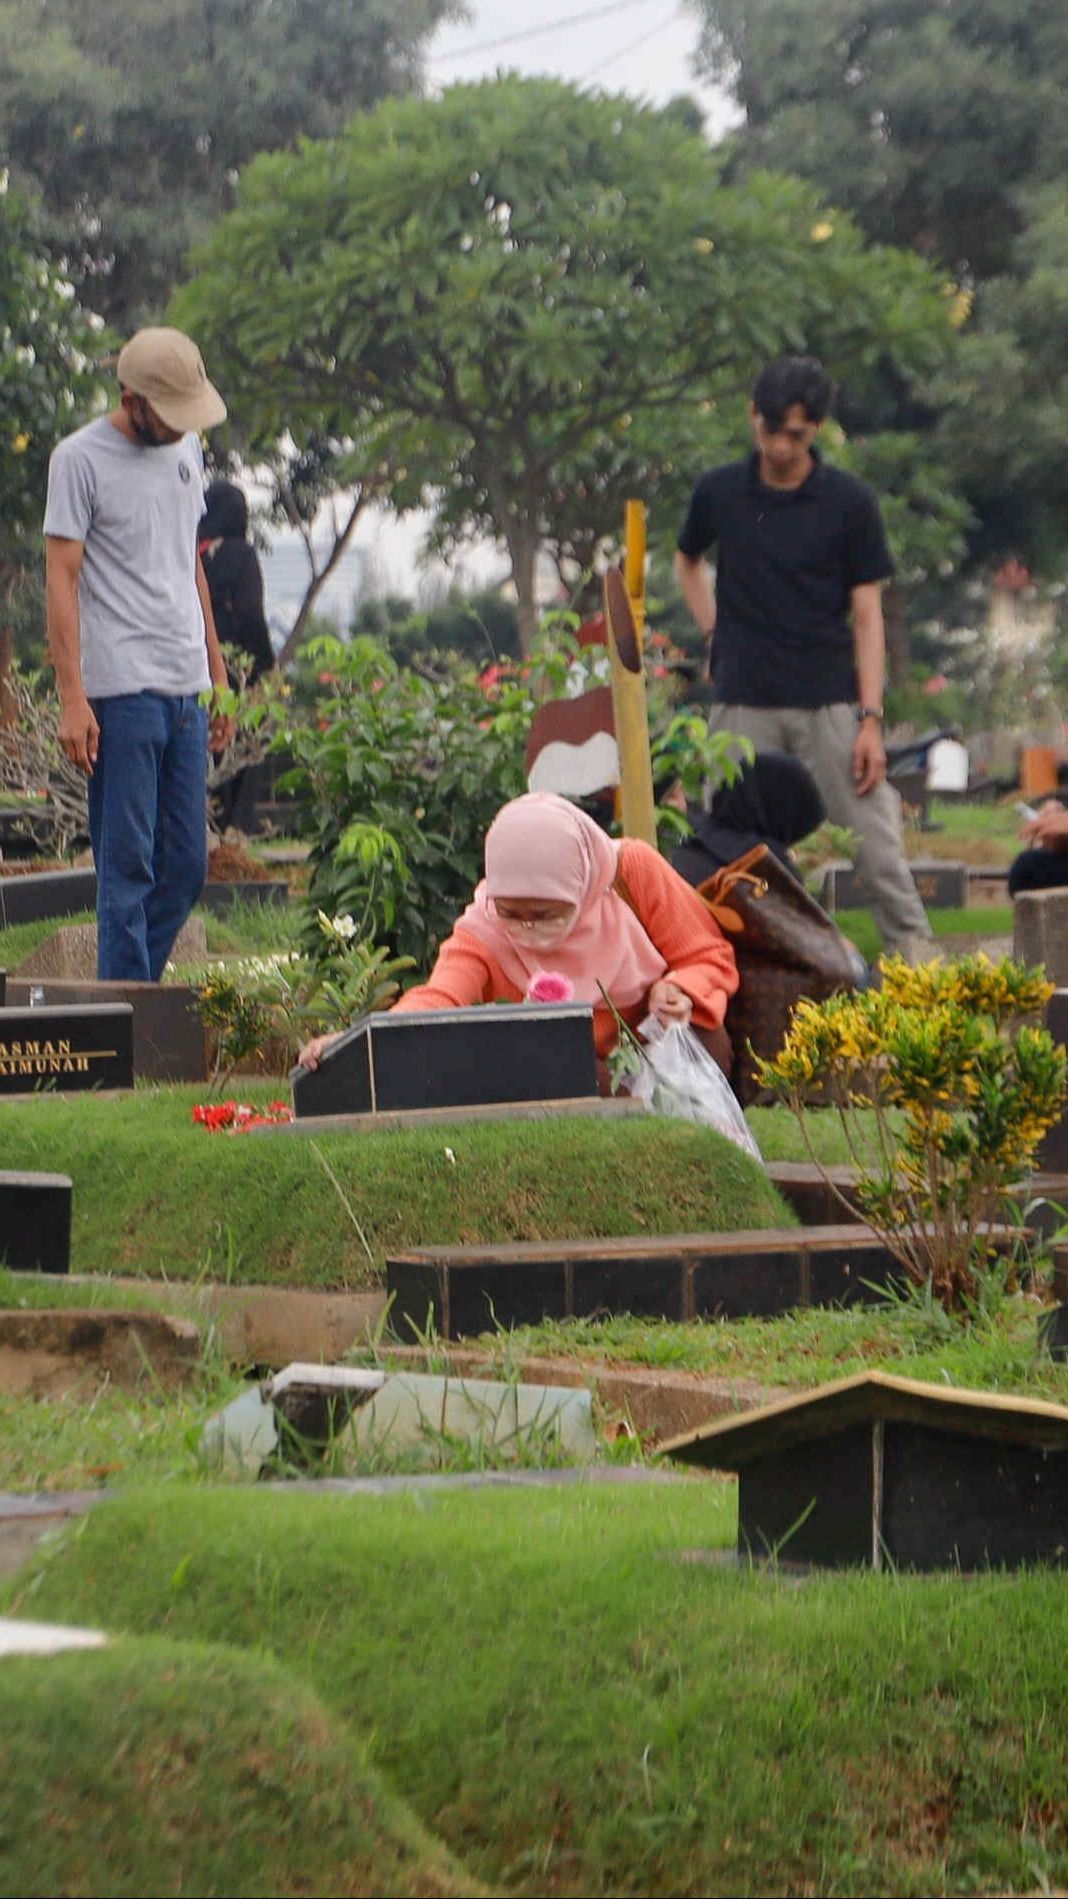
pixel 453 1058
pixel 687 1276
pixel 220 898
pixel 885 1471
pixel 67 1050
pixel 1052 1156
pixel 3 987
pixel 169 1039
pixel 939 885
pixel 44 894
pixel 1053 1332
pixel 35 1212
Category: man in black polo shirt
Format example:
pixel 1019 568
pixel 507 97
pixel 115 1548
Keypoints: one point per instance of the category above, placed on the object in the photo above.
pixel 795 624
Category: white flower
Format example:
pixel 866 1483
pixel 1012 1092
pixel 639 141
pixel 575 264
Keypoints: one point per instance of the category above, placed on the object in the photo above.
pixel 345 928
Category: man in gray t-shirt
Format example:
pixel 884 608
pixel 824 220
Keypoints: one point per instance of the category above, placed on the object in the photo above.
pixel 133 642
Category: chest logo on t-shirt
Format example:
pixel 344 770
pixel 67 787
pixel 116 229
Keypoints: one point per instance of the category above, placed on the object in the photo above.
pixel 183 470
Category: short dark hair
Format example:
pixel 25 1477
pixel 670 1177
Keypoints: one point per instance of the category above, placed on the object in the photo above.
pixel 789 380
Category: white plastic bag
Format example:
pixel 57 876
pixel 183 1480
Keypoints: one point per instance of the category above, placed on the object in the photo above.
pixel 680 1078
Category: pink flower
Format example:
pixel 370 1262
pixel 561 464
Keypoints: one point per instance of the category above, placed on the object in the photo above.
pixel 547 986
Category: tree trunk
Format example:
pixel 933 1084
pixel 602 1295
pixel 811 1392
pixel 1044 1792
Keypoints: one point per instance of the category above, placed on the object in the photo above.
pixel 898 645
pixel 523 547
pixel 319 576
pixel 8 703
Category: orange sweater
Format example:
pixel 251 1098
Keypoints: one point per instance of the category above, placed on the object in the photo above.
pixel 698 956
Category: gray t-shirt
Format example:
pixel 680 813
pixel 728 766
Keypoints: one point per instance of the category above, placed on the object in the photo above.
pixel 136 510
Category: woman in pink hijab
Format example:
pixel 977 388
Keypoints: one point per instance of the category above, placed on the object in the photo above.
pixel 561 899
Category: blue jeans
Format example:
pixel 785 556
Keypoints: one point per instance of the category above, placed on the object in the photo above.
pixel 148 826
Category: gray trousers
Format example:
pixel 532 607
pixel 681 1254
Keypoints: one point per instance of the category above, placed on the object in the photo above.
pixel 822 737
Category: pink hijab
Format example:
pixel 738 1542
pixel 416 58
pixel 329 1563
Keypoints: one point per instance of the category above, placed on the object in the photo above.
pixel 541 845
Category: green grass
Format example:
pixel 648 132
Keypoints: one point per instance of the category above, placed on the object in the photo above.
pixel 249 929
pixel 154 1194
pixel 252 929
pixel 159 1767
pixel 20 940
pixel 114 1439
pixel 999 1352
pixel 572 1709
pixel 964 821
pixel 779 1136
pixel 981 920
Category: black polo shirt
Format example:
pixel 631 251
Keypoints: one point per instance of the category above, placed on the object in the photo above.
pixel 787 560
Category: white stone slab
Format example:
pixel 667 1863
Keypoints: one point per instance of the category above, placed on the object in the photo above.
pixel 240 1439
pixel 45 1638
pixel 414 1409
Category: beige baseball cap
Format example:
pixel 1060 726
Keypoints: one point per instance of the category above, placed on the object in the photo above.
pixel 166 367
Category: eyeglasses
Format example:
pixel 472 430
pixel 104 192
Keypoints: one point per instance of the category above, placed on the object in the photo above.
pixel 548 920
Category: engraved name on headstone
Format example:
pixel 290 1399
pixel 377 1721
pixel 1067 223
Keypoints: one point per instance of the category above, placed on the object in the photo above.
pixel 66 1049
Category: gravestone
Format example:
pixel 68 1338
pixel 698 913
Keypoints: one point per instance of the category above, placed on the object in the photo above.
pixel 948 767
pixel 46 893
pixel 878 1471
pixel 940 886
pixel 1052 1156
pixel 1038 771
pixel 1040 931
pixel 67 1050
pixel 317 1401
pixel 445 1058
pixel 3 987
pixel 35 1216
pixel 168 1031
pixel 1053 1333
pixel 45 1638
pixel 221 897
pixel 460 1291
pixel 69 955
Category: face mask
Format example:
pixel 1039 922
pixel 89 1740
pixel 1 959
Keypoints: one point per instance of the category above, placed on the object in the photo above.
pixel 539 936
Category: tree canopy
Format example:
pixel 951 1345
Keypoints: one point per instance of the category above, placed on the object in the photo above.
pixel 939 124
pixel 131 121
pixel 48 384
pixel 537 299
pixel 926 118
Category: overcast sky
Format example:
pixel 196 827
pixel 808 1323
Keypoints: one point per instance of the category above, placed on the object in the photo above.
pixel 643 47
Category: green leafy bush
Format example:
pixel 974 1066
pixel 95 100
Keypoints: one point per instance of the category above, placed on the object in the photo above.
pixel 401 775
pixel 401 771
pixel 948 1049
pixel 273 1003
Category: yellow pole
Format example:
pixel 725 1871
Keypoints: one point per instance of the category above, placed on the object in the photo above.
pixel 629 708
pixel 634 567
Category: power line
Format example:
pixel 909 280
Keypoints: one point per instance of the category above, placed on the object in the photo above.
pixel 622 52
pixel 534 32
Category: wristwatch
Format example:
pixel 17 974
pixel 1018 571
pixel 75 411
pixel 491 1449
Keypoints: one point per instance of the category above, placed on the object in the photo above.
pixel 869 712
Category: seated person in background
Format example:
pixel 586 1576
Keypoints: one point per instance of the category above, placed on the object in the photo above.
pixel 774 801
pixel 559 896
pixel 1045 864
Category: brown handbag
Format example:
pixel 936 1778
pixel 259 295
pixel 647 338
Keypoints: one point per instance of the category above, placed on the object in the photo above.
pixel 786 947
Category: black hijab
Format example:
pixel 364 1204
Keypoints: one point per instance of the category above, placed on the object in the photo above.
pixel 773 801
pixel 225 515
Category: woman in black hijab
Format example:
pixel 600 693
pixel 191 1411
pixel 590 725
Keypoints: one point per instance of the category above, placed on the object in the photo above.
pixel 774 801
pixel 235 582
